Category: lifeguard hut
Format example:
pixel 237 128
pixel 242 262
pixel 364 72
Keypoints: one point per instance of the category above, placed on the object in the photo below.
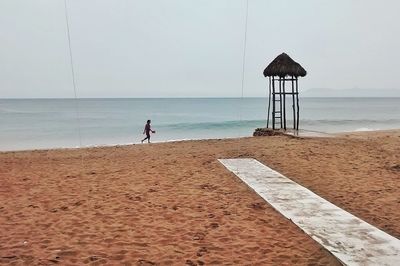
pixel 283 73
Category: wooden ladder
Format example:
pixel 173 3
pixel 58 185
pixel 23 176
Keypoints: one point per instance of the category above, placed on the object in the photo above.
pixel 277 111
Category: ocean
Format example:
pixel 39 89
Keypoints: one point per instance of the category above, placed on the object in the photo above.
pixel 54 123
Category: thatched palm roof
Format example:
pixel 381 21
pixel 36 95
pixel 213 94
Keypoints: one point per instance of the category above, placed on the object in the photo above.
pixel 283 66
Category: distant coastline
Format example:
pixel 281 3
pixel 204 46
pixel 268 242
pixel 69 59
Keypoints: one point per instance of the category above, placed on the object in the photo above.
pixel 351 93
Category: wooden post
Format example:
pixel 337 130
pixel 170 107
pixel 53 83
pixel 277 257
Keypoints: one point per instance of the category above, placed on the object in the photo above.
pixel 284 104
pixel 273 102
pixel 293 107
pixel 269 100
pixel 297 97
pixel 280 100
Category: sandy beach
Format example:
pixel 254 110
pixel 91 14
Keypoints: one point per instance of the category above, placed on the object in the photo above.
pixel 174 203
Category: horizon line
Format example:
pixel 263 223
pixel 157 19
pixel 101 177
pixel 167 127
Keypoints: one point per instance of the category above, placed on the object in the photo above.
pixel 194 97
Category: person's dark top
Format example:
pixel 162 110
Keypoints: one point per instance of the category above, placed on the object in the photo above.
pixel 147 129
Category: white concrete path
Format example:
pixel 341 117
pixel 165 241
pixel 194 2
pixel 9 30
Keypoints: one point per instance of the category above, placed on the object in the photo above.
pixel 350 239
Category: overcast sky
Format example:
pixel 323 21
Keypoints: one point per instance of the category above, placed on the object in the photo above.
pixel 182 48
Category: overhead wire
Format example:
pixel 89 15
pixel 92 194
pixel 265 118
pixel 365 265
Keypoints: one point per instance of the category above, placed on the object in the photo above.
pixel 243 67
pixel 244 47
pixel 76 99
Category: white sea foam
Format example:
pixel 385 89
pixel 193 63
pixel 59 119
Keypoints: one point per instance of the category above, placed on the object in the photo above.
pixel 365 129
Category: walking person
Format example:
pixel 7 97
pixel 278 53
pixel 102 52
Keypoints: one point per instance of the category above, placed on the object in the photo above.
pixel 147 130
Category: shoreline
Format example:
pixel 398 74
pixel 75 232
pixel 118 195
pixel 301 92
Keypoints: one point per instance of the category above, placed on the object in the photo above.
pixel 193 139
pixel 119 145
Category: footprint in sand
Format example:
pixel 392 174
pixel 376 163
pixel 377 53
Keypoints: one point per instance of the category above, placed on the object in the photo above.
pixel 199 236
pixel 208 187
pixel 191 263
pixel 213 225
pixel 258 206
pixel 79 203
pixel 396 167
pixel 96 259
pixel 145 263
pixel 202 251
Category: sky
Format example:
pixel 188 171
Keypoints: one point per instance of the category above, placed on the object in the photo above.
pixel 182 48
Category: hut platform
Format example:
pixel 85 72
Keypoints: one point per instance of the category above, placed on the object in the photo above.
pixel 352 240
pixel 301 133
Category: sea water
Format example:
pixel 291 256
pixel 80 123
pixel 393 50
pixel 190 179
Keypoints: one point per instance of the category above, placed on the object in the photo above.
pixel 53 123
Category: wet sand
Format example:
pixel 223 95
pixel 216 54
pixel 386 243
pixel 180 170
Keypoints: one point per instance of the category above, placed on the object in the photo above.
pixel 174 203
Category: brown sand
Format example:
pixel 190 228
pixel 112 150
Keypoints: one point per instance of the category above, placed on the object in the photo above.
pixel 173 203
